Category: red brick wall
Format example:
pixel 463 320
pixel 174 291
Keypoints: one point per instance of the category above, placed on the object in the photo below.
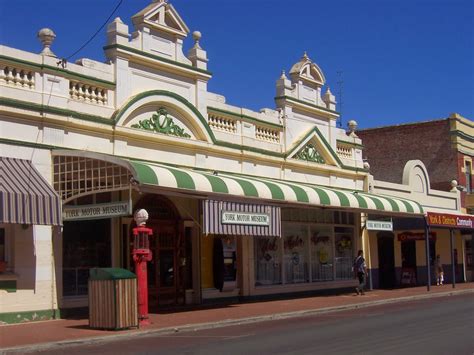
pixel 387 150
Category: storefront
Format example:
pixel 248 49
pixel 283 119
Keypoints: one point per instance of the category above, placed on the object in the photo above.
pixel 452 224
pixel 242 203
pixel 403 249
pixel 30 216
pixel 215 234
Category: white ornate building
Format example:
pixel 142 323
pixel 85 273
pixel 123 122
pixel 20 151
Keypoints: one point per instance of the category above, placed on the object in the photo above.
pixel 242 203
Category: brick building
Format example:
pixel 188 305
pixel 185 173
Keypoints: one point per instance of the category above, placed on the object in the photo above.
pixel 445 146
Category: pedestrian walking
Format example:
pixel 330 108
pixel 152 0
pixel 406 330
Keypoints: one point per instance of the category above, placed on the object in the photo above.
pixel 360 271
pixel 439 271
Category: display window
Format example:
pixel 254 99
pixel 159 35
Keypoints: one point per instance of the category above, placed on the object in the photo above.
pixel 322 253
pixel 295 248
pixel 344 252
pixel 267 261
pixel 311 249
pixel 86 244
pixel 229 245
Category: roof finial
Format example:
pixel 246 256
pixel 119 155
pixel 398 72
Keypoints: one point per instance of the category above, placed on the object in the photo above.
pixel 46 36
pixel 197 36
pixel 305 55
pixel 283 74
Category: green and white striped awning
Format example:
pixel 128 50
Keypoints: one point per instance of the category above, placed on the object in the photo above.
pixel 276 191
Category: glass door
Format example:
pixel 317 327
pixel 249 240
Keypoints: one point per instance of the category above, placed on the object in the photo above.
pixel 164 276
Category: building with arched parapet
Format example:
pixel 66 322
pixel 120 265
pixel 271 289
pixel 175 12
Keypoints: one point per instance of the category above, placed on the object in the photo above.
pixel 241 203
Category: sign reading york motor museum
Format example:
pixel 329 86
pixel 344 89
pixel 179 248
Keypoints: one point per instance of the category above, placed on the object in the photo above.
pixel 450 220
pixel 104 210
pixel 380 226
pixel 246 218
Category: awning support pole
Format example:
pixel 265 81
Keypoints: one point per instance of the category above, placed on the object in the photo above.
pixel 453 267
pixel 428 261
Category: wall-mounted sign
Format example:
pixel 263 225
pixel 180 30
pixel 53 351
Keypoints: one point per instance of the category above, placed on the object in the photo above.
pixel 380 226
pixel 450 220
pixel 103 210
pixel 245 218
pixel 415 236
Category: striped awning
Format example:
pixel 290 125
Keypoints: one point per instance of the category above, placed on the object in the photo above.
pixel 276 191
pixel 25 196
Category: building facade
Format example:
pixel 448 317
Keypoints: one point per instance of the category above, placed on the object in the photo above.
pixel 444 150
pixel 241 203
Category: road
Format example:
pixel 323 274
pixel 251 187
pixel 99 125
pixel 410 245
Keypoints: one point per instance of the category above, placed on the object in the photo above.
pixel 433 326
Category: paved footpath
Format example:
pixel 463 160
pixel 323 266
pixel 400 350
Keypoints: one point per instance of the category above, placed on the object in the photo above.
pixel 47 334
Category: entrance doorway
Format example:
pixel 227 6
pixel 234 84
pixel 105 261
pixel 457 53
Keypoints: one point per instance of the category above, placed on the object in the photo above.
pixel 166 270
pixel 385 244
pixel 409 263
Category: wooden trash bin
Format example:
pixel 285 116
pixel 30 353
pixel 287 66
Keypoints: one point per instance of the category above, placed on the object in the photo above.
pixel 112 299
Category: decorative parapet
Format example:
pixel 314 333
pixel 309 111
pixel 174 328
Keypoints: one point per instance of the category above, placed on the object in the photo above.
pixel 221 123
pixel 88 93
pixel 344 151
pixel 17 77
pixel 161 122
pixel 267 134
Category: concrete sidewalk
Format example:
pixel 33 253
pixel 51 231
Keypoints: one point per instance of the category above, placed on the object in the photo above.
pixel 47 334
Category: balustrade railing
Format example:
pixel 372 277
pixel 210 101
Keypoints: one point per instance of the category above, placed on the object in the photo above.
pixel 267 134
pixel 344 151
pixel 17 77
pixel 87 93
pixel 222 123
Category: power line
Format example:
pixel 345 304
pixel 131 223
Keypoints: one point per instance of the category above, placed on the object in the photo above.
pixel 340 85
pixel 97 32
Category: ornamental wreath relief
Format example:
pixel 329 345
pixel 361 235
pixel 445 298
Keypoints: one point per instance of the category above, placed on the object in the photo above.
pixel 161 122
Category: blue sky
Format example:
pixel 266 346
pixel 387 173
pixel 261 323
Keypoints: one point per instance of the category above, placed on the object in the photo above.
pixel 401 60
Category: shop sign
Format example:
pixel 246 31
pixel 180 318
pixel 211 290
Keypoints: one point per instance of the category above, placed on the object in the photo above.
pixel 380 226
pixel 245 218
pixel 103 210
pixel 405 236
pixel 450 220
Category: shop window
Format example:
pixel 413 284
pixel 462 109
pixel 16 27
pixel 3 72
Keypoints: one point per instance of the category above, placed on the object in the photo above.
pixel 267 261
pixel 229 246
pixel 86 244
pixel 3 251
pixel 344 251
pixel 343 218
pixel 295 246
pixel 468 169
pixel 308 215
pixel 322 254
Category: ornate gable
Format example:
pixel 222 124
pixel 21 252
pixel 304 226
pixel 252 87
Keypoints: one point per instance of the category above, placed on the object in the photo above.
pixel 307 71
pixel 314 148
pixel 163 17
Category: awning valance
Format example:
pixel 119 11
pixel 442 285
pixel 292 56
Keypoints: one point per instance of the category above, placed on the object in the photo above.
pixel 233 218
pixel 274 190
pixel 25 196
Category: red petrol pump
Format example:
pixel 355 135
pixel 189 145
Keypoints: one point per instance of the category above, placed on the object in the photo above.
pixel 141 255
